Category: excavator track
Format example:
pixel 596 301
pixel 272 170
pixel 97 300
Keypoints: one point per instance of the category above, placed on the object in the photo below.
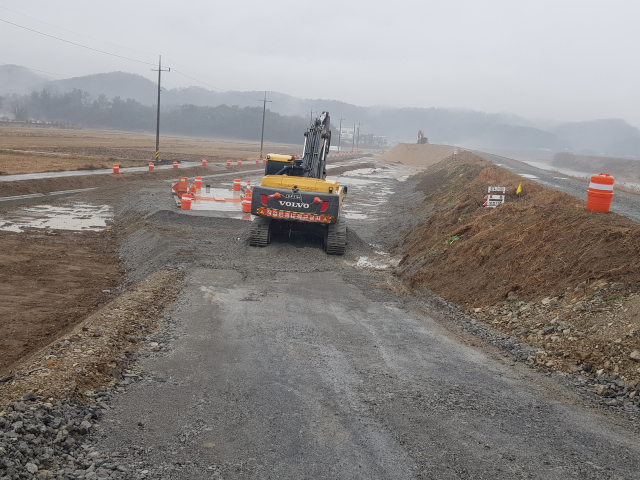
pixel 260 235
pixel 335 241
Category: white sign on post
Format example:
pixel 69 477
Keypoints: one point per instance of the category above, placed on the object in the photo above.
pixel 492 201
pixel 495 197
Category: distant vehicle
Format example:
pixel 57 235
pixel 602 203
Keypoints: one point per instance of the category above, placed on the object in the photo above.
pixel 422 140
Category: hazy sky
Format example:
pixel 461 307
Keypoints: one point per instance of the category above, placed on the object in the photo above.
pixel 560 59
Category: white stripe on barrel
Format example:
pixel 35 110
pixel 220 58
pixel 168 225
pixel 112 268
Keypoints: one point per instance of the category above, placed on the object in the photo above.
pixel 599 186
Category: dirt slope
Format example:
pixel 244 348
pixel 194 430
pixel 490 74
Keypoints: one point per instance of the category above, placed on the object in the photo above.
pixel 418 155
pixel 542 245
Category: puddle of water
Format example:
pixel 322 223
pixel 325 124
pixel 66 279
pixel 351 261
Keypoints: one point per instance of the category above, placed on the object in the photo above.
pixel 76 216
pixel 353 181
pixel 364 262
pixel 553 168
pixel 355 215
pixel 360 171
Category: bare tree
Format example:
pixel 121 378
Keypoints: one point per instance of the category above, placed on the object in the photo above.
pixel 19 110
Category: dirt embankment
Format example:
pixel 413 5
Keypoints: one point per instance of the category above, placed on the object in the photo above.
pixel 417 155
pixel 621 168
pixel 49 281
pixel 539 266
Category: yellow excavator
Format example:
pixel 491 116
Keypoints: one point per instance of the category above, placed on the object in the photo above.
pixel 294 193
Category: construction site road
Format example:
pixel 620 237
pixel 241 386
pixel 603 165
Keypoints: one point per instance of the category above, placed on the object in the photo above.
pixel 283 362
pixel 623 203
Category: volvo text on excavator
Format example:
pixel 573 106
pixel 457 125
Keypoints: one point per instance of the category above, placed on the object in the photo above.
pixel 294 193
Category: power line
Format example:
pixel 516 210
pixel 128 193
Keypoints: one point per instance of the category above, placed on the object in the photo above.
pixel 76 44
pixel 76 33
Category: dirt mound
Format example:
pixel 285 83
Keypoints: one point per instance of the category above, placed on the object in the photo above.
pixel 418 155
pixel 542 244
pixel 537 244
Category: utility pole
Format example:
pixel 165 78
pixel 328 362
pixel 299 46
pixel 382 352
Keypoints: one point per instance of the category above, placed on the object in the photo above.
pixel 358 141
pixel 264 111
pixel 158 119
pixel 353 138
pixel 340 134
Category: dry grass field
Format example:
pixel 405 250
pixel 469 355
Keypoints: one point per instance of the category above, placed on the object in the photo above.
pixel 32 149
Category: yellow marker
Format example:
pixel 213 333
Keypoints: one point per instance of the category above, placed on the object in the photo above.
pixel 157 155
pixel 519 189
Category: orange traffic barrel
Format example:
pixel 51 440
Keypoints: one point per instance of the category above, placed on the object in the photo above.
pixel 236 184
pixel 228 163
pixel 600 193
pixel 116 168
pixel 198 182
pixel 239 161
pixel 185 202
pixel 175 164
pixel 204 162
pixel 257 161
pixel 246 204
pixel 151 167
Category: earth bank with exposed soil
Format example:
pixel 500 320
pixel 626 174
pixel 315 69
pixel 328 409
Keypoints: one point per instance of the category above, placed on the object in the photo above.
pixel 539 267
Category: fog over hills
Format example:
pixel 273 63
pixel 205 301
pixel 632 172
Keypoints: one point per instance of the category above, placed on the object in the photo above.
pixel 453 126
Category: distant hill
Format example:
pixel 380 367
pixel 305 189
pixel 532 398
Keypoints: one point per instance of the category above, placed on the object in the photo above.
pixel 20 80
pixel 441 125
pixel 601 137
pixel 112 84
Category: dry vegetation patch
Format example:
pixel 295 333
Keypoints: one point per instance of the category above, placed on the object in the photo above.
pixel 542 244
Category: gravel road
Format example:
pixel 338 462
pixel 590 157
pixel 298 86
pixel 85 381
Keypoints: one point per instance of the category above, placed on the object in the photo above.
pixel 286 363
pixel 623 203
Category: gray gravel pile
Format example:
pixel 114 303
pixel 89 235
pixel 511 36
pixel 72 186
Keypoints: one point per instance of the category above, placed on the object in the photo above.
pixel 39 439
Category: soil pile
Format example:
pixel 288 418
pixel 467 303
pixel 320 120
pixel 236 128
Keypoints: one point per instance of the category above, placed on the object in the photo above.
pixel 537 244
pixel 418 155
pixel 541 244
